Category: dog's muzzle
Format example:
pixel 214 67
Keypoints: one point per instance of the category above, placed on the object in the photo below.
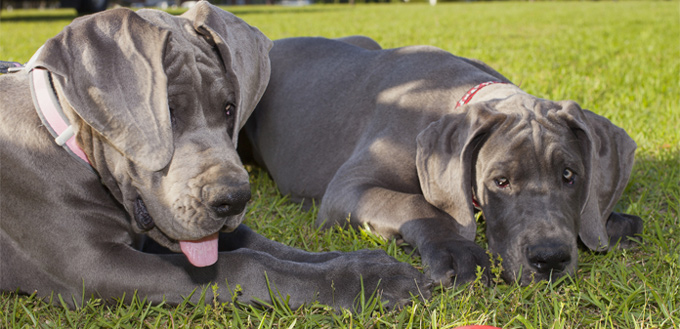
pixel 202 252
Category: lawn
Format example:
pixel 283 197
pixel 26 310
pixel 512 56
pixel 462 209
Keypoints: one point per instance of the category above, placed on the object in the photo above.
pixel 620 59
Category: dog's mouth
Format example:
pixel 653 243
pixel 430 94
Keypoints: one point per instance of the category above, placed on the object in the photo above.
pixel 200 253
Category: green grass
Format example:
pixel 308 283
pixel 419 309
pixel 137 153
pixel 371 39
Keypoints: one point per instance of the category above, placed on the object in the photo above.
pixel 619 59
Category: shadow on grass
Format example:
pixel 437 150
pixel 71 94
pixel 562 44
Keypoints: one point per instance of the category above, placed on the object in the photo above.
pixel 36 17
pixel 269 10
pixel 657 174
pixel 653 191
pixel 44 15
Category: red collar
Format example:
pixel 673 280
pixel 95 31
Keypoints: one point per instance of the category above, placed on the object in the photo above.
pixel 52 116
pixel 468 96
pixel 476 203
pixel 466 99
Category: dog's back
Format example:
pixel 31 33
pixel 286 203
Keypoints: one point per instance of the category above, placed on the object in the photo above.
pixel 318 80
pixel 292 100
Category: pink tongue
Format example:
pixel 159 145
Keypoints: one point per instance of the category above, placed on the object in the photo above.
pixel 201 253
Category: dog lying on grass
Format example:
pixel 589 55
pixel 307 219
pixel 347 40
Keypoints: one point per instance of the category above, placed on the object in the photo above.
pixel 134 136
pixel 410 141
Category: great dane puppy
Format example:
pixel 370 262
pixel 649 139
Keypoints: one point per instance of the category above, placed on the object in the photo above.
pixel 411 140
pixel 147 107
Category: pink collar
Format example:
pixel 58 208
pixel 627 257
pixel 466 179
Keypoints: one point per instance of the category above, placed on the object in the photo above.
pixel 468 96
pixel 52 116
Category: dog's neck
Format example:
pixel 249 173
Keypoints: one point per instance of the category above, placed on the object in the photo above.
pixel 52 115
pixel 490 90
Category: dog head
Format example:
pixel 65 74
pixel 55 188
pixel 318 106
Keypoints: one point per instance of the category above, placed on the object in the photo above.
pixel 543 173
pixel 157 102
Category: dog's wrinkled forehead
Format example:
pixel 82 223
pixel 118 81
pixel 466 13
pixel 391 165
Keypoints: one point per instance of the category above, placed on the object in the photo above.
pixel 527 106
pixel 189 56
pixel 242 48
pixel 538 127
pixel 184 39
pixel 540 115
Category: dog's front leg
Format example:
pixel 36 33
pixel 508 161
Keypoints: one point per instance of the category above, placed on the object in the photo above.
pixel 244 237
pixel 447 256
pixel 253 276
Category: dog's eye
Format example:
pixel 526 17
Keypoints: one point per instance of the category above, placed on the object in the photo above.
pixel 230 110
pixel 173 120
pixel 502 182
pixel 568 176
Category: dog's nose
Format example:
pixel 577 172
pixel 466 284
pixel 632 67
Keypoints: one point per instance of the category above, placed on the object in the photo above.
pixel 547 257
pixel 230 203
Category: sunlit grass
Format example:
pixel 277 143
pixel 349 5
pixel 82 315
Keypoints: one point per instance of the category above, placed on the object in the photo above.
pixel 619 59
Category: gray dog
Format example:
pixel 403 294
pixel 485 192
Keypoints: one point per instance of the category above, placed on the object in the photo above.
pixel 134 135
pixel 411 140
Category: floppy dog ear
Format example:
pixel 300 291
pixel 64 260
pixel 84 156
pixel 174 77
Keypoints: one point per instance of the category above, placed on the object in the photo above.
pixel 444 155
pixel 109 66
pixel 609 156
pixel 244 51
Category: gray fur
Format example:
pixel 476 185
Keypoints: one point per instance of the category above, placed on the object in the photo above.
pixel 374 135
pixel 147 95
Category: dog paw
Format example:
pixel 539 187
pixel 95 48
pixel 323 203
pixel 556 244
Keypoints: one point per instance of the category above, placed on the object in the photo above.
pixel 399 291
pixel 374 274
pixel 621 227
pixel 455 262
